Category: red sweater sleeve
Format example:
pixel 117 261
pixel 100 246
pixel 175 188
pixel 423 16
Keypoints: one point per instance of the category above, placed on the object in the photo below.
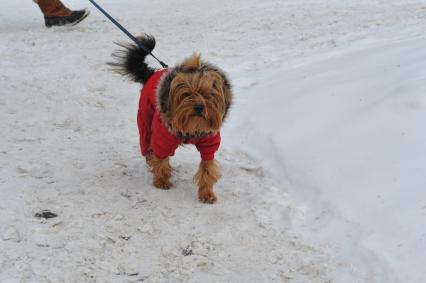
pixel 208 146
pixel 163 143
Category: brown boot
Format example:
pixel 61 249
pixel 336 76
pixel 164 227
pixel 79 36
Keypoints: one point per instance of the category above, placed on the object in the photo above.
pixel 53 8
pixel 56 14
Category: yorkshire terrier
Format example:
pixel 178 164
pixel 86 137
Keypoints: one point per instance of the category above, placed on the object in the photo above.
pixel 185 104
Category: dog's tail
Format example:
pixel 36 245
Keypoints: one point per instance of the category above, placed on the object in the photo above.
pixel 130 61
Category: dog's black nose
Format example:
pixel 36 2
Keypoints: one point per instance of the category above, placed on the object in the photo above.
pixel 198 108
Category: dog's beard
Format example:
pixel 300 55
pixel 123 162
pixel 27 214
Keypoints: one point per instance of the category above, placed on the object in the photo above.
pixel 187 122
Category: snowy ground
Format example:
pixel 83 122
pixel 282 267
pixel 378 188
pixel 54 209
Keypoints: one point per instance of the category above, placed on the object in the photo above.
pixel 326 182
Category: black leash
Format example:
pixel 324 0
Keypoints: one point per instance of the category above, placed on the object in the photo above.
pixel 164 65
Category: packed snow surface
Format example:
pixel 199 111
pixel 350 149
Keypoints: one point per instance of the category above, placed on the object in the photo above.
pixel 322 158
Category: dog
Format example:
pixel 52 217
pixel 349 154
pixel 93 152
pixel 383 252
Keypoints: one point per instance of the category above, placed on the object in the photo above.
pixel 185 104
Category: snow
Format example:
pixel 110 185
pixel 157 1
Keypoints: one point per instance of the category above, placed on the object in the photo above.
pixel 322 155
pixel 345 131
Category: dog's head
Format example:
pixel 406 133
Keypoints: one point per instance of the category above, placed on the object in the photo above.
pixel 194 97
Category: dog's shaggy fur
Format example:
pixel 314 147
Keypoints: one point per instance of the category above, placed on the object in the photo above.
pixel 193 99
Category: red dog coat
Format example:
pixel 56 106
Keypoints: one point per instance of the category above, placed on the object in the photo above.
pixel 155 137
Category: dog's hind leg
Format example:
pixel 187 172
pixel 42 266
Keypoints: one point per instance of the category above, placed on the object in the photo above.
pixel 208 174
pixel 162 172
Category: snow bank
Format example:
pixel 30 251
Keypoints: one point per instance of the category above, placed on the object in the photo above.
pixel 345 129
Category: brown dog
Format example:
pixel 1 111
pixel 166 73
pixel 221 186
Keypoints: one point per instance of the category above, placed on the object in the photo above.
pixel 186 104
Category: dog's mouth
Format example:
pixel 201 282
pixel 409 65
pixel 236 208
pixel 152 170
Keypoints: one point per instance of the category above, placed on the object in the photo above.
pixel 196 125
pixel 197 115
pixel 195 135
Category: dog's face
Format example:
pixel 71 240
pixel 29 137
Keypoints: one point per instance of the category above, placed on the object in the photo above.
pixel 194 98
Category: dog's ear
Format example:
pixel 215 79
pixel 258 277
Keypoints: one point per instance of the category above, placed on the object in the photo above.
pixel 227 91
pixel 226 86
pixel 221 83
pixel 196 63
pixel 163 91
pixel 192 63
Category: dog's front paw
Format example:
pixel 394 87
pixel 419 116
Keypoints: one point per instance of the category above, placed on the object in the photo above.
pixel 162 184
pixel 207 196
